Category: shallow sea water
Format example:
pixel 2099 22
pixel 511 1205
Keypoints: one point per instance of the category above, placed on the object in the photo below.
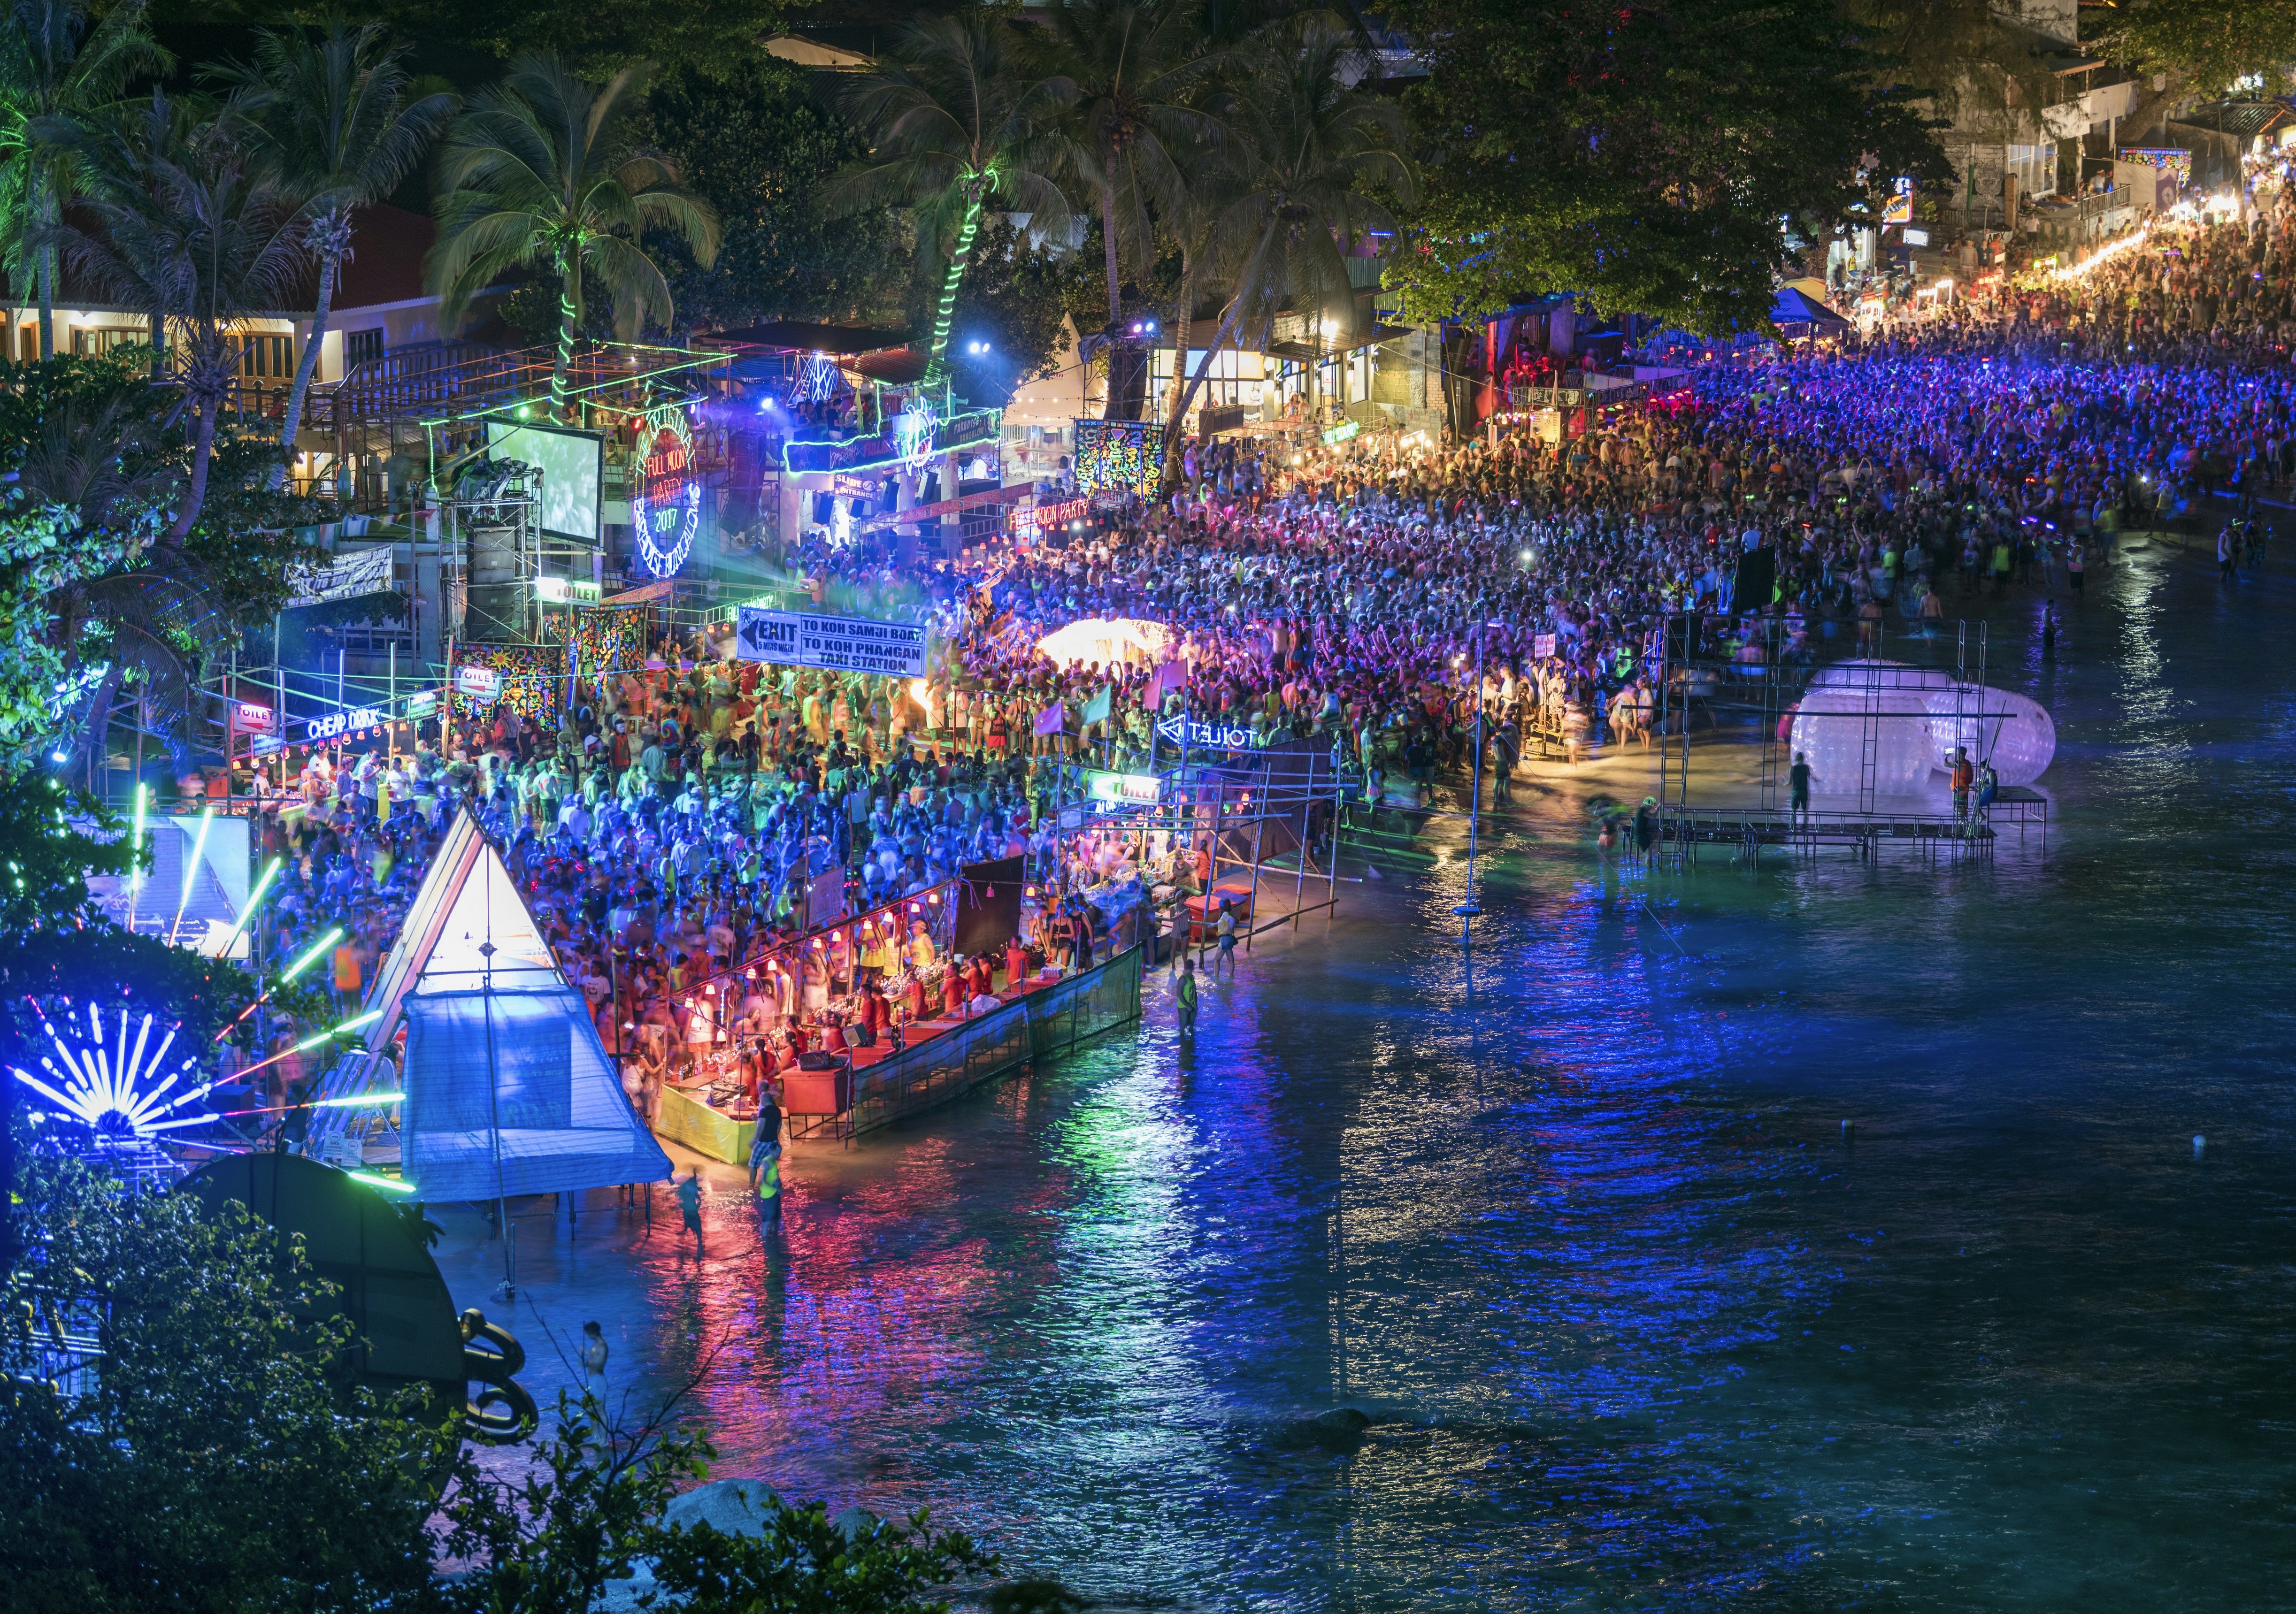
pixel 1573 1218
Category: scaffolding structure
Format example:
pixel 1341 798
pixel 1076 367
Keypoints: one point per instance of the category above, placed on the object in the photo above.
pixel 1258 821
pixel 1702 671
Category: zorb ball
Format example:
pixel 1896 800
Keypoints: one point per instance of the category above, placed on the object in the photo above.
pixel 1848 701
pixel 2014 732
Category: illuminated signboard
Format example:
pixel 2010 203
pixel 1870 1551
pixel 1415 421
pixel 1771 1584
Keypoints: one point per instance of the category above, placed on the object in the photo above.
pixel 666 508
pixel 1342 432
pixel 335 724
pixel 563 591
pixel 1212 736
pixel 852 644
pixel 423 703
pixel 1048 517
pixel 1899 208
pixel 251 718
pixel 1123 790
pixel 479 682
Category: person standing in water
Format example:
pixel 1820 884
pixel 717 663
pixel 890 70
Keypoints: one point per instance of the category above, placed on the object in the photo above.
pixel 1186 995
pixel 594 1364
pixel 689 1203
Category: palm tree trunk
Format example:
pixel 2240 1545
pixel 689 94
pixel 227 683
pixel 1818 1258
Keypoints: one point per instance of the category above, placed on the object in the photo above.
pixel 46 275
pixel 1229 324
pixel 1183 323
pixel 1124 357
pixel 202 456
pixel 569 318
pixel 1187 394
pixel 329 267
pixel 947 311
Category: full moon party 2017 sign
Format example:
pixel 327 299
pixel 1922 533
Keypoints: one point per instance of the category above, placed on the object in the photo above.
pixel 665 506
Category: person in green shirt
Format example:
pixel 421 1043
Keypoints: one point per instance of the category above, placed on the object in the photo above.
pixel 1186 995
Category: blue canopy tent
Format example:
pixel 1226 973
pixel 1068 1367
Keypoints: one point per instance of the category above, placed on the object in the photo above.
pixel 1796 313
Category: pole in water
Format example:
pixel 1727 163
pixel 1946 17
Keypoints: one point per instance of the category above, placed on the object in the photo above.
pixel 1849 1132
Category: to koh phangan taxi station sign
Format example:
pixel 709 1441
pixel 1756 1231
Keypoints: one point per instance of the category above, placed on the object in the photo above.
pixel 843 645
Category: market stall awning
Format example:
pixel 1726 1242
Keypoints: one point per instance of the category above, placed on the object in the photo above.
pixel 1302 352
pixel 1794 307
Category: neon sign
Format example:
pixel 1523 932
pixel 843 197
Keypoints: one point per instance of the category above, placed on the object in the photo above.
pixel 665 509
pixel 334 726
pixel 1195 731
pixel 912 433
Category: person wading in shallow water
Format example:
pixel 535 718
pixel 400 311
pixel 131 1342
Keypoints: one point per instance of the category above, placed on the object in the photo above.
pixel 1186 995
pixel 594 1364
pixel 689 1201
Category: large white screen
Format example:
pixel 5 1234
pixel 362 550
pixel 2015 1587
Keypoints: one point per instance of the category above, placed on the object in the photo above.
pixel 571 464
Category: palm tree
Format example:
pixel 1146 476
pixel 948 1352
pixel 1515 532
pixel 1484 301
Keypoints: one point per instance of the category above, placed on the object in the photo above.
pixel 1311 156
pixel 189 221
pixel 339 111
pixel 1134 64
pixel 56 78
pixel 542 171
pixel 957 117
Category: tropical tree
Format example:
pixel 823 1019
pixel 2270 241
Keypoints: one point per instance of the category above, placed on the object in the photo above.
pixel 340 112
pixel 959 118
pixel 1314 160
pixel 1137 66
pixel 186 217
pixel 542 171
pixel 56 81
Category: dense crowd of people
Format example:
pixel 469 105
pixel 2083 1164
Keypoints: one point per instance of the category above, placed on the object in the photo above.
pixel 678 823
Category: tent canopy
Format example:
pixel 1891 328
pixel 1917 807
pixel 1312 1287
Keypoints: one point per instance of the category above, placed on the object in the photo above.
pixel 1793 305
pixel 508 1088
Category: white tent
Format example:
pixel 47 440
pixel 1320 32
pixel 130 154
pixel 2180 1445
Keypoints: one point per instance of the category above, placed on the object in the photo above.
pixel 508 1088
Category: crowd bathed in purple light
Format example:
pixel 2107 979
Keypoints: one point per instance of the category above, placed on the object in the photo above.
pixel 2001 443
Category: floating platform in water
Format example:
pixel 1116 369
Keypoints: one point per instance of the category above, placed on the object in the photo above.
pixel 1684 829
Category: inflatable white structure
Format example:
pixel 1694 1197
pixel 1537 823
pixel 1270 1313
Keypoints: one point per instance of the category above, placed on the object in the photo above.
pixel 1846 702
pixel 2014 732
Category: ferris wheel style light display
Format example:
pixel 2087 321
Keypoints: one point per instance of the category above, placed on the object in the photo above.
pixel 115 1087
pixel 665 506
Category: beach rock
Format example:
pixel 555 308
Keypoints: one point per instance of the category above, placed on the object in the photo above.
pixel 732 1507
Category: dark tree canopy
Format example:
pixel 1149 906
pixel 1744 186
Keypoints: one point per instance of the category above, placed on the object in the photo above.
pixel 1647 155
pixel 751 143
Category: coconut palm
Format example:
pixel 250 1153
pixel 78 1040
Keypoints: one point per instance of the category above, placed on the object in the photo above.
pixel 56 78
pixel 1136 66
pixel 542 171
pixel 958 117
pixel 184 216
pixel 1312 157
pixel 341 112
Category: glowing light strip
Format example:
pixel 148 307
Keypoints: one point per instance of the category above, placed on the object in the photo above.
pixel 332 1031
pixel 372 1180
pixel 191 872
pixel 317 947
pixel 254 901
pixel 135 880
pixel 360 1097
